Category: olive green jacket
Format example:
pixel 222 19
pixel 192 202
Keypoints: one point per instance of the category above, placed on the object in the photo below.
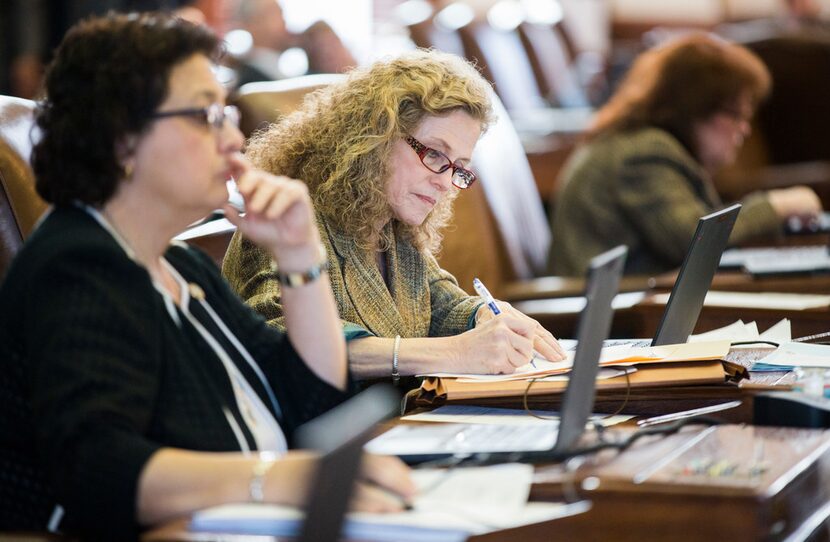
pixel 422 299
pixel 645 190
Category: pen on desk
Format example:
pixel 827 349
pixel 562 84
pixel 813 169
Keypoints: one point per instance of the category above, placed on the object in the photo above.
pixel 687 414
pixel 484 293
pixel 808 337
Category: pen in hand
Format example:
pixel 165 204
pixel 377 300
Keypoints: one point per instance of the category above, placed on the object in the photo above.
pixel 484 293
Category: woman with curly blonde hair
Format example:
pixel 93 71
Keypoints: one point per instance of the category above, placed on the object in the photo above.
pixel 383 153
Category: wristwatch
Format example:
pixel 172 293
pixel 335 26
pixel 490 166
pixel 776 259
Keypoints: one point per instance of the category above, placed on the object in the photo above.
pixel 299 278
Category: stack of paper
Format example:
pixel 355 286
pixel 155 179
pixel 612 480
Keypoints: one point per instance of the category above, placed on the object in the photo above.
pixel 623 355
pixel 453 505
pixel 791 355
pixel 668 365
pixel 741 332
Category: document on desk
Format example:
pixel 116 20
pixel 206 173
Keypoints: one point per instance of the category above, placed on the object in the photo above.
pixel 618 355
pixel 799 355
pixel 743 332
pixel 499 416
pixel 759 300
pixel 453 505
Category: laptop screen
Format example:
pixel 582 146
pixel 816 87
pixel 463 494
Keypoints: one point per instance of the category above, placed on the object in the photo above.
pixel 340 435
pixel 594 324
pixel 695 277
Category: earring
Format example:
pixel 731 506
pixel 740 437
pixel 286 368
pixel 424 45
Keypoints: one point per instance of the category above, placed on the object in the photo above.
pixel 128 170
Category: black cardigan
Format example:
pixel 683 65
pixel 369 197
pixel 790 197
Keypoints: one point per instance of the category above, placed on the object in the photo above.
pixel 95 376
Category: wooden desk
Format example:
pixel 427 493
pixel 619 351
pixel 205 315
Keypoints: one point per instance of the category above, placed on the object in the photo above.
pixel 804 322
pixel 561 314
pixel 738 281
pixel 553 287
pixel 733 482
pixel 780 488
pixel 557 287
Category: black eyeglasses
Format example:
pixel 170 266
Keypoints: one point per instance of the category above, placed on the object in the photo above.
pixel 438 162
pixel 213 115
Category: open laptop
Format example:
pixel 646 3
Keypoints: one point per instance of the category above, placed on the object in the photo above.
pixel 695 277
pixel 693 282
pixel 538 442
pixel 340 434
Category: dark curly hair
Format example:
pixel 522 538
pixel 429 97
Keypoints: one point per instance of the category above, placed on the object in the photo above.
pixel 108 77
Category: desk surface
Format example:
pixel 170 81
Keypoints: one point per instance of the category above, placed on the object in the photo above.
pixel 720 483
pixel 735 281
pixel 732 482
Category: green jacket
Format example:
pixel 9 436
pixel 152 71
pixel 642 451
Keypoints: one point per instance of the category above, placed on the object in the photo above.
pixel 422 300
pixel 645 190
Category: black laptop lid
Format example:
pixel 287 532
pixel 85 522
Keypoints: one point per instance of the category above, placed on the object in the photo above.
pixel 695 277
pixel 594 324
pixel 340 435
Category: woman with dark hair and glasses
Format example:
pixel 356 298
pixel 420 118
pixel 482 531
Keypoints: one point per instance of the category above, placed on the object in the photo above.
pixel 385 152
pixel 644 176
pixel 136 387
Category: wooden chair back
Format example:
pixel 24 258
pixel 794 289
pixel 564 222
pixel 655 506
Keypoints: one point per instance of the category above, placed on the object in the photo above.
pixel 20 206
pixel 262 103
pixel 548 52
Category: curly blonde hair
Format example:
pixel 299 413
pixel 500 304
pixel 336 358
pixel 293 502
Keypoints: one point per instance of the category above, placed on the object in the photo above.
pixel 340 140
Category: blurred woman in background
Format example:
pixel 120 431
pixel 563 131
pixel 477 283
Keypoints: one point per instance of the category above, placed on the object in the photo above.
pixel 644 176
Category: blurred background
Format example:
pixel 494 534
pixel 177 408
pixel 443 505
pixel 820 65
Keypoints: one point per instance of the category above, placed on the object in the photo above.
pixel 552 62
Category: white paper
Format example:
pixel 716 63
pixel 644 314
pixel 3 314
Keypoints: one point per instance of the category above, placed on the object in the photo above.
pixel 741 332
pixel 616 355
pixel 736 331
pixel 453 504
pixel 779 333
pixel 542 367
pixel 491 415
pixel 464 438
pixel 799 355
pixel 759 300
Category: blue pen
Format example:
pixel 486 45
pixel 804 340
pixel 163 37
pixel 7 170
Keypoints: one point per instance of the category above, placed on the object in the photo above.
pixel 484 293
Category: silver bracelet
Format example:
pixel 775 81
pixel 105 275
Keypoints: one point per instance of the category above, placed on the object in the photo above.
pixel 256 487
pixel 396 376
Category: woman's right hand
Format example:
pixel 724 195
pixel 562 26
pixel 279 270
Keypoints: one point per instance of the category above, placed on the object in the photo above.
pixel 383 485
pixel 496 346
pixel 795 201
pixel 278 216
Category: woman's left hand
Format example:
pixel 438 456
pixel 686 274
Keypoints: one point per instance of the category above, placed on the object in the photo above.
pixel 543 341
pixel 278 215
